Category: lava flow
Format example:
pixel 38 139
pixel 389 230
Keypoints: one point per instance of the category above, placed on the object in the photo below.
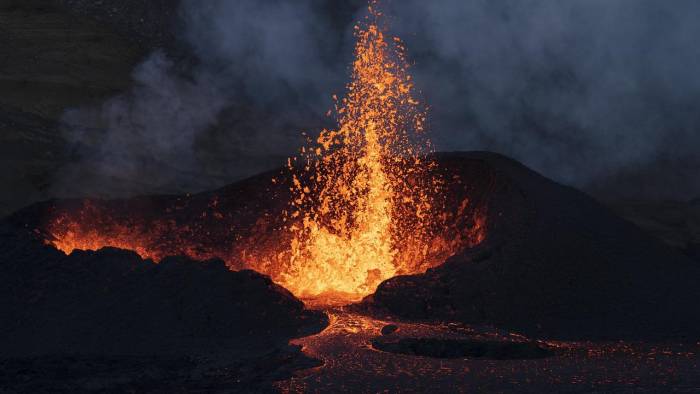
pixel 366 201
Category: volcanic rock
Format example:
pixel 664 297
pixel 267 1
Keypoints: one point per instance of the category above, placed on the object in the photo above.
pixel 555 263
pixel 462 348
pixel 112 302
pixel 389 329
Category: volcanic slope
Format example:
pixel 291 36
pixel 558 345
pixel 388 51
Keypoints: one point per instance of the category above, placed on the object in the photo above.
pixel 554 263
pixel 112 302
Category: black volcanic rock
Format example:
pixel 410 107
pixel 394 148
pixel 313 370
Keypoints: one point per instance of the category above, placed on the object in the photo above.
pixel 461 348
pixel 112 302
pixel 389 329
pixel 555 263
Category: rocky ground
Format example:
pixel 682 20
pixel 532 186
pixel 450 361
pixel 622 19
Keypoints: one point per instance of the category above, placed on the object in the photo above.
pixel 246 373
pixel 109 320
pixel 555 263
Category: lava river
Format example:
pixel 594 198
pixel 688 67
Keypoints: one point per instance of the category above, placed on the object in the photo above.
pixel 350 362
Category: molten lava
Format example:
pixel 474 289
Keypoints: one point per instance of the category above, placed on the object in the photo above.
pixel 365 203
pixel 366 200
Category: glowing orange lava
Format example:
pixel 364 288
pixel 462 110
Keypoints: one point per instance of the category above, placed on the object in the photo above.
pixel 366 200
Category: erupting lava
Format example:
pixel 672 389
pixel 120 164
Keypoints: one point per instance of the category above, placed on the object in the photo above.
pixel 364 192
pixel 366 200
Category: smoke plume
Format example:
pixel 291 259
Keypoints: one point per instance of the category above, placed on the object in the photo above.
pixel 598 94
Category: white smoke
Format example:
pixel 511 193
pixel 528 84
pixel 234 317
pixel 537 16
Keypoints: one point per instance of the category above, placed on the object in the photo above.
pixel 600 94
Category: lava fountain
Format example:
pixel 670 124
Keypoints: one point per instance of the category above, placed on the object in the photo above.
pixel 364 191
pixel 363 202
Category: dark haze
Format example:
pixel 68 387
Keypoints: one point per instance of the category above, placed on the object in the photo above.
pixel 598 94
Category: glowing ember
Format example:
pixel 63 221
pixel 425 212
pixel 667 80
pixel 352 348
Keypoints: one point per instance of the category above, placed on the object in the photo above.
pixel 366 202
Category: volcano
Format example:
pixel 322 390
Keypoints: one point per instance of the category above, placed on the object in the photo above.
pixel 553 262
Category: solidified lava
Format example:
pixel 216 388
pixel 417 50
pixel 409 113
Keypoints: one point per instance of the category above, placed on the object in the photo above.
pixel 456 348
pixel 554 263
pixel 112 302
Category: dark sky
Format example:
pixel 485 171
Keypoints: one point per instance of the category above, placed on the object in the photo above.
pixel 599 94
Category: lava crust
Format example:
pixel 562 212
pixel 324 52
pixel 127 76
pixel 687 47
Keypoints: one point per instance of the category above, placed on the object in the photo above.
pixel 112 302
pixel 555 263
